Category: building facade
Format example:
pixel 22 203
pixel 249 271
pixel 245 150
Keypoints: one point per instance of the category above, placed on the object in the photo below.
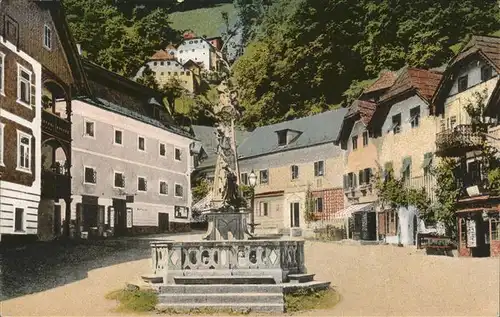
pixel 291 160
pixel 131 164
pixel 473 72
pixel 40 58
pixel 168 70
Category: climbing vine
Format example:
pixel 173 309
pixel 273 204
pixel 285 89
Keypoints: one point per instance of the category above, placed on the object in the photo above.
pixel 392 192
pixel 309 206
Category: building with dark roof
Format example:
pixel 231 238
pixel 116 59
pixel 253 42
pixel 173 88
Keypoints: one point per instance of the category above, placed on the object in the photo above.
pixel 291 159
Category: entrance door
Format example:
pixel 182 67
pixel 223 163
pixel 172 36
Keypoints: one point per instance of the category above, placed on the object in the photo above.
pixel 57 220
pixel 120 207
pixel 294 215
pixel 163 222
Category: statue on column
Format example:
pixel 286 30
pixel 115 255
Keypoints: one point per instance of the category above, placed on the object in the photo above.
pixel 225 193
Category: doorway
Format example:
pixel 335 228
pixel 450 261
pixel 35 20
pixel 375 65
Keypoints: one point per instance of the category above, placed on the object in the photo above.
pixel 294 215
pixel 163 222
pixel 120 206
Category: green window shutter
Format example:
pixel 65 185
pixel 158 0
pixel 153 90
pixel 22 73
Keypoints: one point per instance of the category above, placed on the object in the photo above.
pixel 427 160
pixel 406 164
pixel 360 177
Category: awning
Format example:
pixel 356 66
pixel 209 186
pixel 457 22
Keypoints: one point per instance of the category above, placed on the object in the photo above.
pixel 270 194
pixel 347 212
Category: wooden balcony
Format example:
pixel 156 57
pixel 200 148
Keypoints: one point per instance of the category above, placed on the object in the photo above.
pixel 428 183
pixel 56 126
pixel 457 141
pixel 55 185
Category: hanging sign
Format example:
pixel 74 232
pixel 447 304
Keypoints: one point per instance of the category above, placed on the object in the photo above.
pixel 129 217
pixel 471 234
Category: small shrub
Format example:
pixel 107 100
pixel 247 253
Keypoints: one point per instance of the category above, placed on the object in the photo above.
pixel 134 300
pixel 305 300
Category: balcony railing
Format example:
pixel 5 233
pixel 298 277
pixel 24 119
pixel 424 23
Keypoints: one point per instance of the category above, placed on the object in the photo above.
pixel 428 183
pixel 56 126
pixel 55 185
pixel 456 141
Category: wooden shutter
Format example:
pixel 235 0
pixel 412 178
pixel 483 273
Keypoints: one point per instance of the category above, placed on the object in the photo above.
pixel 345 182
pixel 361 177
pixel 354 184
pixel 32 91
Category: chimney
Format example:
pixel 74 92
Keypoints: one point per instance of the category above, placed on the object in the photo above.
pixel 79 48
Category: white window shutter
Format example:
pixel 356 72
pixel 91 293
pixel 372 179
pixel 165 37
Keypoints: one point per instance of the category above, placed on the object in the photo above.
pixel 33 95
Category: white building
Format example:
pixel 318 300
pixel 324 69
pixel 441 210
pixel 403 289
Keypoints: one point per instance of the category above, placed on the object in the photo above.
pixel 199 51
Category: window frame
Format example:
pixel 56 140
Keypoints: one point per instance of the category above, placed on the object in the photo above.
pixel 159 149
pixel 139 137
pixel 354 142
pixel 85 121
pixel 2 143
pixel 282 137
pixel 85 178
pixel 415 117
pixel 316 170
pixel 175 154
pixel 145 184
pixel 159 187
pixel 366 138
pixel 45 38
pixel 20 79
pixel 460 80
pixel 316 203
pixel 294 170
pixel 115 130
pixel 23 220
pixel 175 190
pixel 264 212
pixel 244 180
pixel 2 73
pixel 20 135
pixel 396 126
pixel 261 179
pixel 114 179
pixel 489 69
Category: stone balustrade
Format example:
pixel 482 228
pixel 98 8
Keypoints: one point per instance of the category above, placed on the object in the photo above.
pixel 276 258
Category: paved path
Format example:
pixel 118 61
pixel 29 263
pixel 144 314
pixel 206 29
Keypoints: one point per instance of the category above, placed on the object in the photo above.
pixel 373 281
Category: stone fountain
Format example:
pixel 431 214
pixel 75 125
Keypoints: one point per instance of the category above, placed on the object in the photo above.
pixel 228 268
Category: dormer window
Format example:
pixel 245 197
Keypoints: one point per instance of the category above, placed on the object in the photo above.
pixel 486 72
pixel 282 137
pixel 463 83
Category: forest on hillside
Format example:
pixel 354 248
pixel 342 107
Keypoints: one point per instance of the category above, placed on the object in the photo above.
pixel 300 56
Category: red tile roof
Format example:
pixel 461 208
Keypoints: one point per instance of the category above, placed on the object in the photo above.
pixel 366 109
pixel 424 81
pixel 385 80
pixel 488 45
pixel 162 55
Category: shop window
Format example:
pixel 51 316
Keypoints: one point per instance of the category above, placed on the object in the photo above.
pixel 495 229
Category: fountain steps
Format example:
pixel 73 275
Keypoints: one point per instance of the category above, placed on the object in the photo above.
pixel 258 307
pixel 224 298
pixel 223 279
pixel 219 289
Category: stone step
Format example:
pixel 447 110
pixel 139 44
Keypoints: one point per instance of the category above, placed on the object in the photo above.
pixel 255 307
pixel 153 279
pixel 197 280
pixel 227 298
pixel 314 285
pixel 300 278
pixel 218 289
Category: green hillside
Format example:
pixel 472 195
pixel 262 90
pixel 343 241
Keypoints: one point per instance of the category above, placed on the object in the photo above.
pixel 206 21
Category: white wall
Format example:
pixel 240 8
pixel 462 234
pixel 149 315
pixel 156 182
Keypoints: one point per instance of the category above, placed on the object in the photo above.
pixel 15 195
pixel 197 50
pixel 101 153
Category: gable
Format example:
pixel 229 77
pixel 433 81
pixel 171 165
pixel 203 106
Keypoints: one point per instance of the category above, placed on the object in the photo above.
pixel 30 16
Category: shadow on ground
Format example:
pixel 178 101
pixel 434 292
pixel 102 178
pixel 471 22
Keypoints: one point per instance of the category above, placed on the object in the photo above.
pixel 41 266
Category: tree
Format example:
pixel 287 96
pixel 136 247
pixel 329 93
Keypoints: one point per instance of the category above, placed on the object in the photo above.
pixel 303 55
pixel 119 40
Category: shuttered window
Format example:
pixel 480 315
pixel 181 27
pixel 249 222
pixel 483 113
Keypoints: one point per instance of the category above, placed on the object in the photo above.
pixel 1 143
